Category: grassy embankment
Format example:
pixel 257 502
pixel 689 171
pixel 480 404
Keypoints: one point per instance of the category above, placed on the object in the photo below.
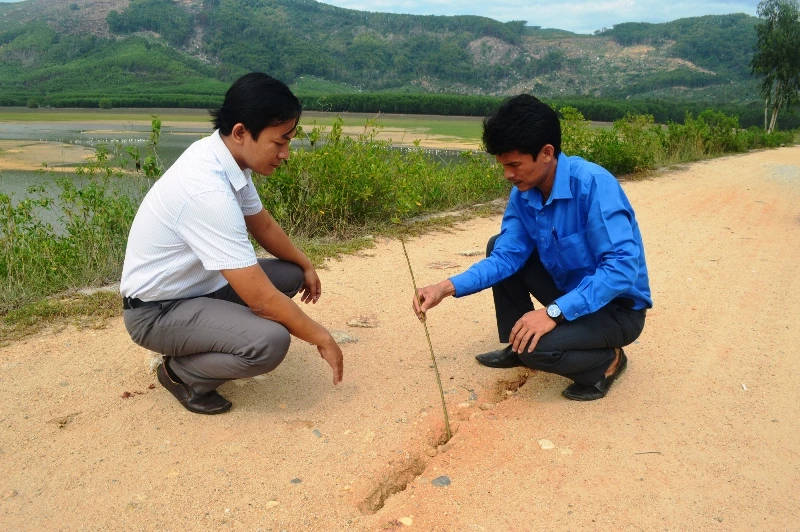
pixel 327 198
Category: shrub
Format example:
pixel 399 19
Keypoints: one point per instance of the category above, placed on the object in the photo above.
pixel 342 183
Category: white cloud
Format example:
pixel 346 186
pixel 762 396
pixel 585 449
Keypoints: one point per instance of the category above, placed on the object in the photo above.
pixel 581 16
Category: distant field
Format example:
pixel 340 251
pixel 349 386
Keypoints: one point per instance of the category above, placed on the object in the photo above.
pixel 464 128
pixel 467 128
pixel 23 114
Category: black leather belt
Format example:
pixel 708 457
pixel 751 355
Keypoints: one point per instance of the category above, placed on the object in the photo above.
pixel 130 303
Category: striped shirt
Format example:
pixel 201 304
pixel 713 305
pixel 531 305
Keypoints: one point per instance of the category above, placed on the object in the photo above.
pixel 191 225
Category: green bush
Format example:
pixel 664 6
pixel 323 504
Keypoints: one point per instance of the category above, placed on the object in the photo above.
pixel 87 244
pixel 33 104
pixel 342 184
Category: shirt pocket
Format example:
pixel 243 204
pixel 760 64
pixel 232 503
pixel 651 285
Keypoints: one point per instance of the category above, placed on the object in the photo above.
pixel 573 252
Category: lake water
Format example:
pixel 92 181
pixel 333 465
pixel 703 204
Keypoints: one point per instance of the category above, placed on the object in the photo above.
pixel 173 141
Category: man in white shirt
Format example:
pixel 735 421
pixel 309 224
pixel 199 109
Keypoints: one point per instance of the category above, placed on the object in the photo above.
pixel 192 286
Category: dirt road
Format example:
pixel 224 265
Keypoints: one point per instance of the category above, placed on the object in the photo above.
pixel 699 434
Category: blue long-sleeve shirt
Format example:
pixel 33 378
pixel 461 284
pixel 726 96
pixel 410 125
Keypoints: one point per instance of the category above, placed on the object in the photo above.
pixel 587 237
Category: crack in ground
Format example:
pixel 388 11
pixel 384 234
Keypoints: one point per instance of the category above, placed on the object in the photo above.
pixel 397 479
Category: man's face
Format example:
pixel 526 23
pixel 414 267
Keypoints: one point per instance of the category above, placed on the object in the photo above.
pixel 525 173
pixel 270 150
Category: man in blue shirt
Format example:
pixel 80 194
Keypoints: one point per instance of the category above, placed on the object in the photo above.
pixel 569 237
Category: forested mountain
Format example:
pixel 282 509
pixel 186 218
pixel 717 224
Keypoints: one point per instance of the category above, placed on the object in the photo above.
pixel 165 52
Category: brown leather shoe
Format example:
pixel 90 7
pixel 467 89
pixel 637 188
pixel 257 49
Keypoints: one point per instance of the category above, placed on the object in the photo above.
pixel 590 392
pixel 502 358
pixel 206 403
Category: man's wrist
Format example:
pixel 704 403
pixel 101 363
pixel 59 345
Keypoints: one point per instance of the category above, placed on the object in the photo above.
pixel 447 288
pixel 554 312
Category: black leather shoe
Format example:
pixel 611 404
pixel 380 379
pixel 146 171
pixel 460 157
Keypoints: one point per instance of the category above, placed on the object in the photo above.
pixel 205 403
pixel 502 358
pixel 588 392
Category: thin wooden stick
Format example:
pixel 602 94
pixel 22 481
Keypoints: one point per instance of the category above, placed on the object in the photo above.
pixel 430 345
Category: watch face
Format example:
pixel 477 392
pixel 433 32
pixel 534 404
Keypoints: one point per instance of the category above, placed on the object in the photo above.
pixel 553 311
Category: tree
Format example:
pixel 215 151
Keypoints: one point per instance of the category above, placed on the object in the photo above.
pixel 777 56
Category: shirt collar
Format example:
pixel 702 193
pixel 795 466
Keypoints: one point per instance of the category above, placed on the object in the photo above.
pixel 237 177
pixel 561 185
pixel 561 188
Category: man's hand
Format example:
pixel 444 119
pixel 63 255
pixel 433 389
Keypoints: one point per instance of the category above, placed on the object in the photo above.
pixel 312 287
pixel 530 327
pixel 428 297
pixel 332 354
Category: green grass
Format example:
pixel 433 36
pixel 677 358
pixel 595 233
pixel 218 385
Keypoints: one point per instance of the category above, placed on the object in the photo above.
pixel 457 127
pixel 83 311
pixel 21 114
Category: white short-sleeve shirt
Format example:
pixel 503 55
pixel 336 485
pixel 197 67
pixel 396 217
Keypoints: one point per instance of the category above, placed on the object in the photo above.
pixel 191 225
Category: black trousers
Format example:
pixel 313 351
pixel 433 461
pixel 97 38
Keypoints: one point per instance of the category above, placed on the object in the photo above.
pixel 582 349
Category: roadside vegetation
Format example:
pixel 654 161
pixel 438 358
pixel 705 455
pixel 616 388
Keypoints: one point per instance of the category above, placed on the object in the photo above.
pixel 328 197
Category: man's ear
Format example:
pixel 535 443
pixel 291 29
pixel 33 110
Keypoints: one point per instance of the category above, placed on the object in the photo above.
pixel 548 152
pixel 238 133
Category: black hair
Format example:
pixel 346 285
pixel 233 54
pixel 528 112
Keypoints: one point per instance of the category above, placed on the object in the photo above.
pixel 258 101
pixel 524 124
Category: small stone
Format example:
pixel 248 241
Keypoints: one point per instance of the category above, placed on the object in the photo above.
pixel 10 494
pixel 343 337
pixel 406 521
pixel 431 451
pixel 261 377
pixel 546 444
pixel 316 433
pixel 300 423
pixel 510 392
pixel 240 382
pixel 446 446
pixel 473 396
pixel 442 265
pixel 473 253
pixel 151 387
pixel 125 395
pixel 369 437
pixel 365 322
pixel 296 481
pixel 271 504
pixel 487 406
pixel 464 405
pixel 441 482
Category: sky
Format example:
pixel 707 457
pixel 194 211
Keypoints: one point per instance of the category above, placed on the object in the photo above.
pixel 579 16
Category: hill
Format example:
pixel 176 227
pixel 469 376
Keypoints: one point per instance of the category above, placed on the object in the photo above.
pixel 164 52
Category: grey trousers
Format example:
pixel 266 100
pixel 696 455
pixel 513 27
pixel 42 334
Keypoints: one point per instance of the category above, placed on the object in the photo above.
pixel 581 349
pixel 216 338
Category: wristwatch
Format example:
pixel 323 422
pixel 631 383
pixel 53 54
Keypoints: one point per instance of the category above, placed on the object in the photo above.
pixel 555 313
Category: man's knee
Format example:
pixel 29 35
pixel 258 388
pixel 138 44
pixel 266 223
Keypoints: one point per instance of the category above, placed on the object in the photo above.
pixel 490 245
pixel 268 353
pixel 287 276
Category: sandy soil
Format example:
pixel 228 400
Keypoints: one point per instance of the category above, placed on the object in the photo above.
pixel 28 155
pixel 700 433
